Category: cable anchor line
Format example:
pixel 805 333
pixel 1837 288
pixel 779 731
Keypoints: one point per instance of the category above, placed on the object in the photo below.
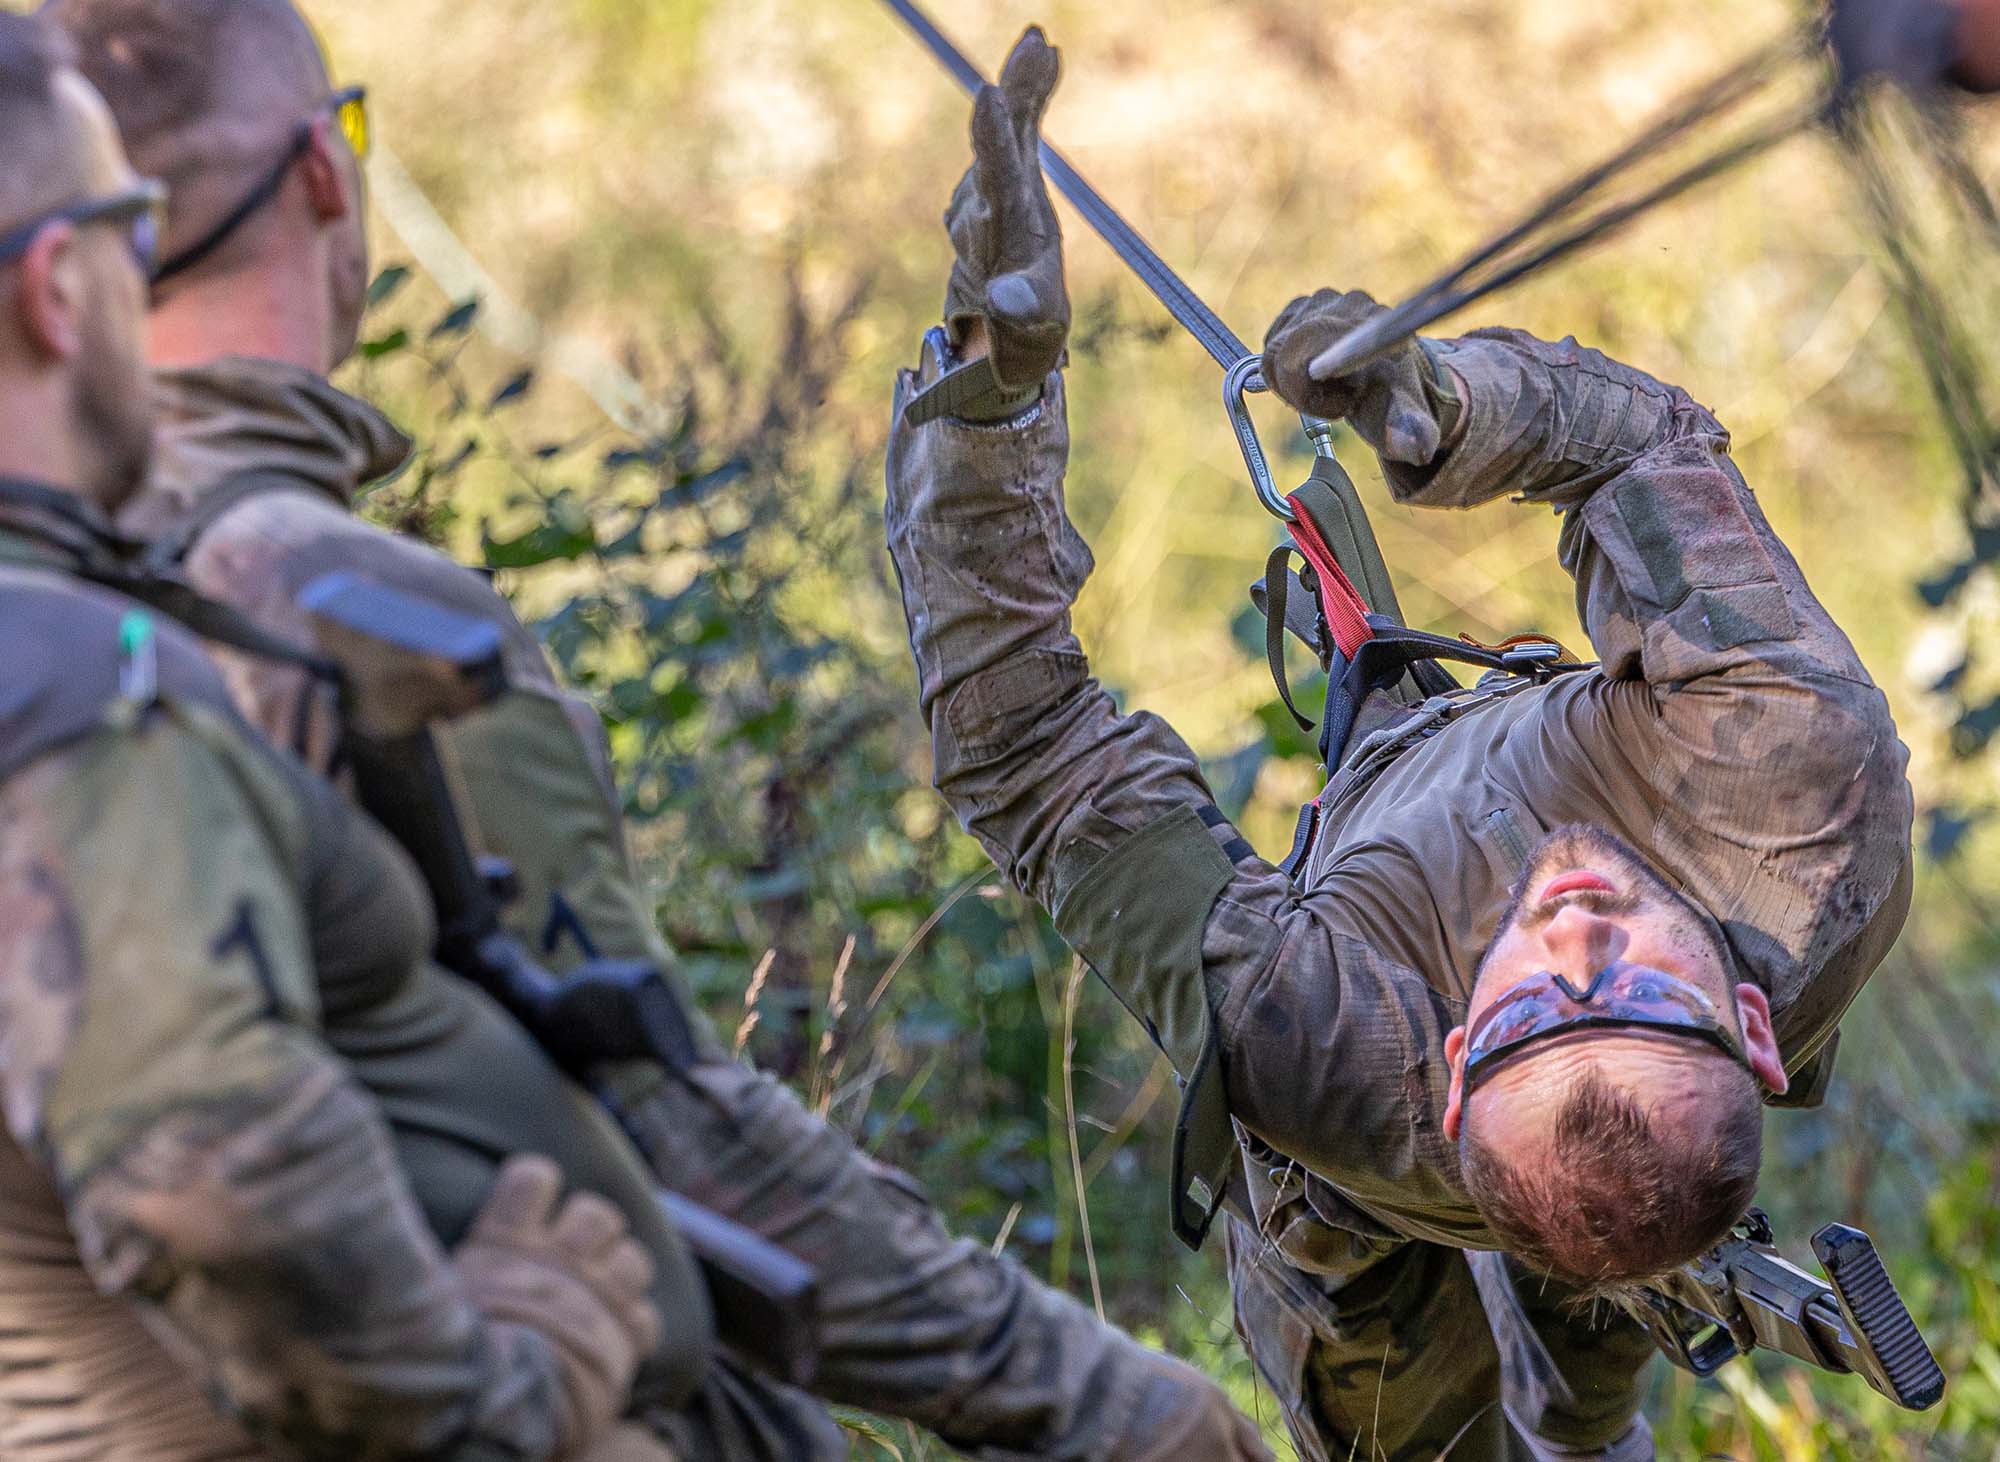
pixel 1242 367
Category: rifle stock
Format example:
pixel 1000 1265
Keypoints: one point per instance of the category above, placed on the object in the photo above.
pixel 1743 1295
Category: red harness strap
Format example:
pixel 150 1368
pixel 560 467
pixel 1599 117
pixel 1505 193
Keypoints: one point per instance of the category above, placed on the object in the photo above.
pixel 1346 612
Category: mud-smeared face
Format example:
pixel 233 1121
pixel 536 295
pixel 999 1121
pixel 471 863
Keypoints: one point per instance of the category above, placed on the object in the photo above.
pixel 1589 902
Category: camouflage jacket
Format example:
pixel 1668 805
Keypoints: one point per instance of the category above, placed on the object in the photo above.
pixel 191 1181
pixel 257 471
pixel 1730 734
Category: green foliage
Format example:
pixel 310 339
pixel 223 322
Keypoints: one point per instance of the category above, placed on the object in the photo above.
pixel 720 592
pixel 713 578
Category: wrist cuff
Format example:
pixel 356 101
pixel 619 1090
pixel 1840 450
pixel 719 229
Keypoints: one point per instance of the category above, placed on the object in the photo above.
pixel 968 391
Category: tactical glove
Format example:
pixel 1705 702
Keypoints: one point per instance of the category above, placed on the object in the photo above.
pixel 573 1276
pixel 1009 270
pixel 1401 403
pixel 1184 1415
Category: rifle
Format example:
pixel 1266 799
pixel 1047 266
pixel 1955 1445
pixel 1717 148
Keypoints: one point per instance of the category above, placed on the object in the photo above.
pixel 405 664
pixel 1743 1295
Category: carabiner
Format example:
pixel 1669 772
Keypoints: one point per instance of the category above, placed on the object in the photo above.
pixel 1240 380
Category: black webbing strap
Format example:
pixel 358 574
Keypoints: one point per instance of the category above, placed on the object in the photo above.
pixel 213 620
pixel 1302 840
pixel 223 624
pixel 1396 650
pixel 99 555
pixel 1237 847
pixel 1279 611
pixel 171 549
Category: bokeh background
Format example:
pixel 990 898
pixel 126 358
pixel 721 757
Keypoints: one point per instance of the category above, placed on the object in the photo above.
pixel 648 269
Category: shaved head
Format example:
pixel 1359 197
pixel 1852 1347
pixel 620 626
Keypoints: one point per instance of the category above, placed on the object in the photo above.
pixel 47 155
pixel 73 388
pixel 229 102
pixel 206 92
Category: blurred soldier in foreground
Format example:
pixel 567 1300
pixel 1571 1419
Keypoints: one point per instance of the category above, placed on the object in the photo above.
pixel 207 1249
pixel 1555 941
pixel 1920 43
pixel 260 461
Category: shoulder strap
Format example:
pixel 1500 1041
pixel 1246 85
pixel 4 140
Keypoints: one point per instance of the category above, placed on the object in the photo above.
pixel 171 549
pixel 72 651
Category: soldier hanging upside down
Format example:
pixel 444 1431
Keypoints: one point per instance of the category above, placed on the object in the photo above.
pixel 1556 943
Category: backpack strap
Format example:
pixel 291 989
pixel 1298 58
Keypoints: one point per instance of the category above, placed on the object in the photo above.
pixel 173 548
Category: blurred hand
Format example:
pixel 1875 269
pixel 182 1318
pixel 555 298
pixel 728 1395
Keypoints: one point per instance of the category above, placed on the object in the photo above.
pixel 1395 402
pixel 1184 1415
pixel 571 1273
pixel 1008 277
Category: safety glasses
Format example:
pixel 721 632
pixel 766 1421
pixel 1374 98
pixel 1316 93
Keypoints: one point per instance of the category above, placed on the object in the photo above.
pixel 1621 996
pixel 349 109
pixel 140 210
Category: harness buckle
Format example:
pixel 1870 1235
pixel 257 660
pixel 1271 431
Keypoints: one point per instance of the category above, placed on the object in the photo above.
pixel 1532 658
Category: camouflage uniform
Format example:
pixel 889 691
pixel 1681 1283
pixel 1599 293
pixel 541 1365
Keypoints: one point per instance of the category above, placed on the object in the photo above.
pixel 1730 734
pixel 257 468
pixel 200 947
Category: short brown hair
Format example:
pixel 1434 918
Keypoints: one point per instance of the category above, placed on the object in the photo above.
pixel 1616 1203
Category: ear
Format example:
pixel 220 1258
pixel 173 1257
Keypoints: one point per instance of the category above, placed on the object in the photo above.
pixel 1454 1105
pixel 50 292
pixel 1760 1042
pixel 329 186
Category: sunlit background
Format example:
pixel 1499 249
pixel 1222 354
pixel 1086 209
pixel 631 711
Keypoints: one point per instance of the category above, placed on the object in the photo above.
pixel 711 230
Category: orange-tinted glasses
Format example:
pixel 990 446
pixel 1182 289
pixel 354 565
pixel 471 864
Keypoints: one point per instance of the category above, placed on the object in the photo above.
pixel 1621 996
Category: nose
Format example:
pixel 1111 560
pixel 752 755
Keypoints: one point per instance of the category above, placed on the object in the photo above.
pixel 1580 943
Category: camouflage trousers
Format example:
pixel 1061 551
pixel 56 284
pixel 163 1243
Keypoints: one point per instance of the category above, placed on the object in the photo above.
pixel 913 1323
pixel 1383 1349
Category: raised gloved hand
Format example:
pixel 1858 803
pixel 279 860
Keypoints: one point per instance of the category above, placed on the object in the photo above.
pixel 572 1274
pixel 1401 403
pixel 1185 1415
pixel 1007 281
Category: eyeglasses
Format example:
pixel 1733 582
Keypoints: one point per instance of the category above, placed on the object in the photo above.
pixel 141 208
pixel 349 109
pixel 1620 996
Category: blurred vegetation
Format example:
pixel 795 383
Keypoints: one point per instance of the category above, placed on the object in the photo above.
pixel 652 391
